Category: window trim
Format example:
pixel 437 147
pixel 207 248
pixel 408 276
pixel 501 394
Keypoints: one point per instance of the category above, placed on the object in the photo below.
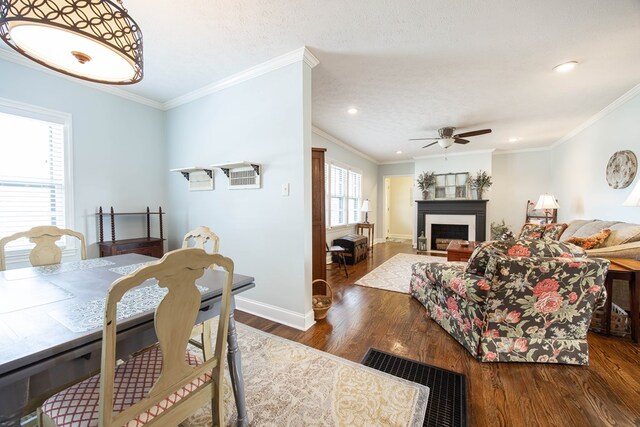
pixel 17 108
pixel 327 193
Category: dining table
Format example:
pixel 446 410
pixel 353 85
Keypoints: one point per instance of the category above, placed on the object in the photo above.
pixel 51 321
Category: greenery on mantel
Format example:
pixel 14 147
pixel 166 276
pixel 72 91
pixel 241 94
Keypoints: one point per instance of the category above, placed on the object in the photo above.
pixel 480 182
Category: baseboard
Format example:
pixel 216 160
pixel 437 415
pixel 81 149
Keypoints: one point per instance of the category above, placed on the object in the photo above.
pixel 400 236
pixel 277 314
pixel 379 240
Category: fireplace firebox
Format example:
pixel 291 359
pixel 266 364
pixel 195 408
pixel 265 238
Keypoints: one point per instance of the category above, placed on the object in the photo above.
pixel 443 234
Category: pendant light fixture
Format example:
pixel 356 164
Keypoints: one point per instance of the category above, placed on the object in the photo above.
pixel 94 40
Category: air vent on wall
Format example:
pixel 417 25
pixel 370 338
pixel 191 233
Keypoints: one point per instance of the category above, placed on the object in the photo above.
pixel 200 179
pixel 242 175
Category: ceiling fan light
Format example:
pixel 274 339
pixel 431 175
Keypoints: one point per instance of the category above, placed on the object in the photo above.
pixel 446 142
pixel 94 40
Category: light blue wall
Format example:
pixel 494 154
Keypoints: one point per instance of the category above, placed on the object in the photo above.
pixel 579 165
pixel 118 156
pixel 264 120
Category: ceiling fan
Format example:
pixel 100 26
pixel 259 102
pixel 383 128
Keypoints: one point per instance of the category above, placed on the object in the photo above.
pixel 447 138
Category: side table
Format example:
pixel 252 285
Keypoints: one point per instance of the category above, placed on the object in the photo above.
pixel 370 227
pixel 627 270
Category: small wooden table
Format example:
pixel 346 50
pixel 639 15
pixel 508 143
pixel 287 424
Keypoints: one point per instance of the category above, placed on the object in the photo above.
pixel 459 251
pixel 370 227
pixel 629 271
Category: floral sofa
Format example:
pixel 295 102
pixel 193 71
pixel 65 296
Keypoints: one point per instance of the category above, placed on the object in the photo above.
pixel 516 300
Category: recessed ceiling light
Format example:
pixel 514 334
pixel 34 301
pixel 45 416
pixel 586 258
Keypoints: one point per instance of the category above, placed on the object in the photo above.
pixel 514 139
pixel 398 152
pixel 567 66
pixel 352 111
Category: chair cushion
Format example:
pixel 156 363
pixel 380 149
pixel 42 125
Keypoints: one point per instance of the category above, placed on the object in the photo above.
pixel 531 231
pixel 77 406
pixel 480 257
pixel 542 231
pixel 553 231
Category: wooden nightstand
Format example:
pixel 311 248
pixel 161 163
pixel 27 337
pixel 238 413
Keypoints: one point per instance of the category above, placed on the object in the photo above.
pixel 370 227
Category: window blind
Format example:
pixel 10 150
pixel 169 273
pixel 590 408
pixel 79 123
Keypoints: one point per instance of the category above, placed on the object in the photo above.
pixel 32 174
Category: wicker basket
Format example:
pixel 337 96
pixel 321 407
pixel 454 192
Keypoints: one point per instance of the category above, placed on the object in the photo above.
pixel 620 322
pixel 322 298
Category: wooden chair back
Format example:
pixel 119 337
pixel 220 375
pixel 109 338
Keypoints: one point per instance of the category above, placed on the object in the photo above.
pixel 174 319
pixel 46 252
pixel 200 236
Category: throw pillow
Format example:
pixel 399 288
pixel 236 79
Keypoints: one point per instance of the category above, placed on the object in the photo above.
pixel 590 242
pixel 531 231
pixel 553 231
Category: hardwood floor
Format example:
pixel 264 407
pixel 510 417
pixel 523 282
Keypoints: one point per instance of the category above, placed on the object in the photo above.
pixel 499 394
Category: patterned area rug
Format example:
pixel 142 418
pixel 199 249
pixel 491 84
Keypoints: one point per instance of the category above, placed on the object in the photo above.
pixel 395 274
pixel 289 384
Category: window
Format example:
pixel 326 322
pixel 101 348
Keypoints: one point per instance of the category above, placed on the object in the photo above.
pixel 343 187
pixel 34 162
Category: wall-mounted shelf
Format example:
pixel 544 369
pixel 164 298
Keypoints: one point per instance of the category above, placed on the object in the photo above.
pixel 199 178
pixel 242 175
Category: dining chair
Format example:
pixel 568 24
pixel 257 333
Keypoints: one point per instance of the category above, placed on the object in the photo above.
pixel 201 236
pixel 339 252
pixel 46 251
pixel 167 384
pixel 198 238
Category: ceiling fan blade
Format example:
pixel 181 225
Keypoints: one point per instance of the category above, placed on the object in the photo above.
pixel 472 133
pixel 429 145
pixel 421 139
pixel 461 141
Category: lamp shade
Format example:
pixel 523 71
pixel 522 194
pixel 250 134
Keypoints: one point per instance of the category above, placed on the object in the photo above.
pixel 546 201
pixel 634 198
pixel 365 206
pixel 94 40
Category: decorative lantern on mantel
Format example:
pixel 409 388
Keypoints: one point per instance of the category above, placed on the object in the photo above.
pixel 422 243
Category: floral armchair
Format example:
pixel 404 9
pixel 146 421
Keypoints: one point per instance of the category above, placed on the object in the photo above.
pixel 516 300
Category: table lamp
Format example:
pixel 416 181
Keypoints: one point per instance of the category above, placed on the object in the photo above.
pixel 365 208
pixel 546 202
pixel 634 198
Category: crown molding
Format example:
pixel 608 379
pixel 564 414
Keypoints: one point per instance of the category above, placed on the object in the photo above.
pixel 300 54
pixel 16 58
pixel 523 150
pixel 464 153
pixel 342 144
pixel 396 162
pixel 599 115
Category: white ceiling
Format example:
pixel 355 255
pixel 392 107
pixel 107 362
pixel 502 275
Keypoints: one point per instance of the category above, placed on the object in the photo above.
pixel 409 66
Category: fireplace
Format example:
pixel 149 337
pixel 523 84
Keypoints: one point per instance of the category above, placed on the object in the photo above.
pixel 442 234
pixel 454 215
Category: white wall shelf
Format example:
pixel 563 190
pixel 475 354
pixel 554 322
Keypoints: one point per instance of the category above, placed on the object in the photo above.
pixel 242 175
pixel 199 178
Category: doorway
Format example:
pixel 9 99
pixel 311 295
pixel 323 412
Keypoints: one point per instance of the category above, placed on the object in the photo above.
pixel 398 209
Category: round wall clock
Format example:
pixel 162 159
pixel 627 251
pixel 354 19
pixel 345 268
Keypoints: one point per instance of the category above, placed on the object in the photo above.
pixel 621 169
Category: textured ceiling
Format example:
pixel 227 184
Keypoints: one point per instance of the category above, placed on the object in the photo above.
pixel 410 67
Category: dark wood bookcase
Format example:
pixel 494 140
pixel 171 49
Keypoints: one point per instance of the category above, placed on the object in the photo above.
pixel 152 246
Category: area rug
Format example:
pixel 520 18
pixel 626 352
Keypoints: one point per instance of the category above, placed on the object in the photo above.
pixel 395 273
pixel 447 390
pixel 289 384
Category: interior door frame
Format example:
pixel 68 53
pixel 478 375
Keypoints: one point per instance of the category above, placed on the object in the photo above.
pixel 385 200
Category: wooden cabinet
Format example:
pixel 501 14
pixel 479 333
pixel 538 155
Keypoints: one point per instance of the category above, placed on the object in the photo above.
pixel 152 246
pixel 319 251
